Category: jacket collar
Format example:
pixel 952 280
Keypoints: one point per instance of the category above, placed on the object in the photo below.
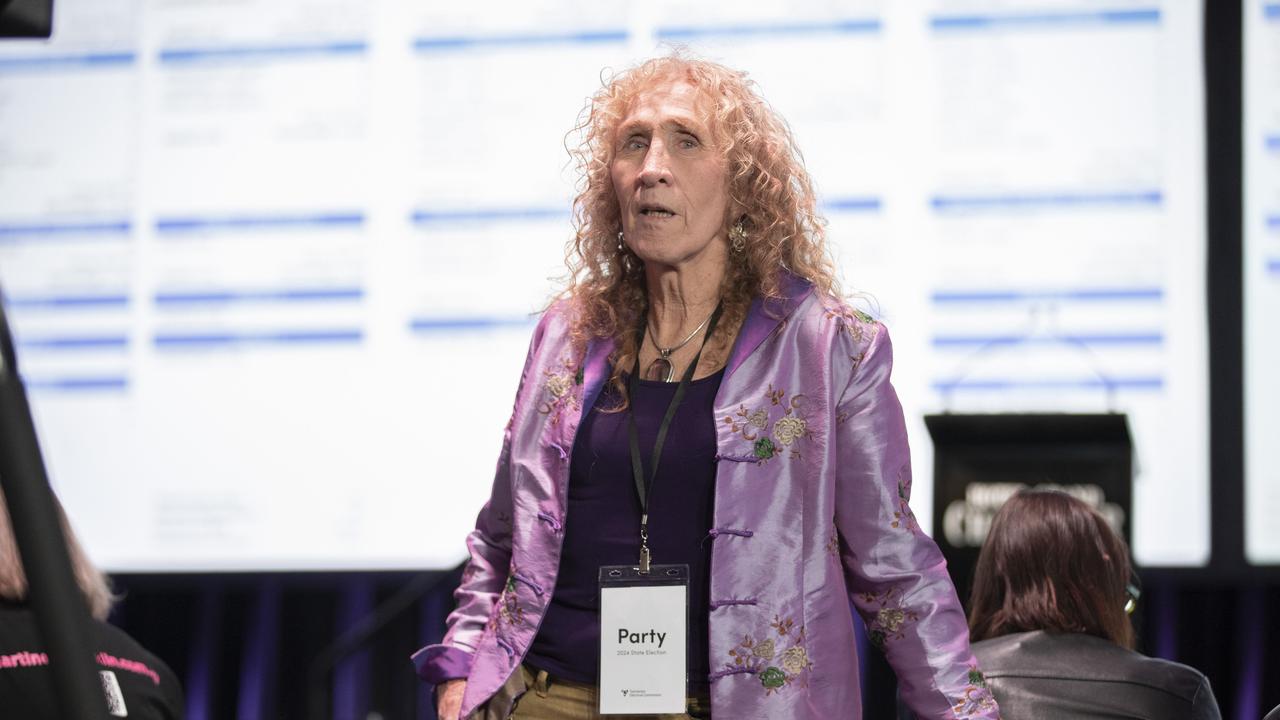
pixel 595 370
pixel 763 317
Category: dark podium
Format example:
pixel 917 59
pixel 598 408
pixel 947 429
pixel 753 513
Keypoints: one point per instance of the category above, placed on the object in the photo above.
pixel 980 460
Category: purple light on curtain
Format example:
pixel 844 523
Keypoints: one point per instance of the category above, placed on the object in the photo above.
pixel 1164 608
pixel 351 674
pixel 258 663
pixel 203 654
pixel 432 612
pixel 1249 624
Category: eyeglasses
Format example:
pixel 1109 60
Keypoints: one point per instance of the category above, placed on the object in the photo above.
pixel 1132 591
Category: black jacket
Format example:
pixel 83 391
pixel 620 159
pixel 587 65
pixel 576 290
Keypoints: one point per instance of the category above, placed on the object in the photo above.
pixel 1037 675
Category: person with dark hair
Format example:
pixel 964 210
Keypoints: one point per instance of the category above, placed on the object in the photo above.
pixel 1049 616
pixel 135 683
pixel 701 299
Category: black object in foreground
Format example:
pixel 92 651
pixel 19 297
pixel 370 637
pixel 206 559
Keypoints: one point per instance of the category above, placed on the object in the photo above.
pixel 61 612
pixel 26 18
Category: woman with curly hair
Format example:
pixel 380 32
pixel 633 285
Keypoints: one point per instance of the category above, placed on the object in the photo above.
pixel 700 395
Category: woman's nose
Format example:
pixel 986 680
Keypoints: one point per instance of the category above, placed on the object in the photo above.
pixel 656 168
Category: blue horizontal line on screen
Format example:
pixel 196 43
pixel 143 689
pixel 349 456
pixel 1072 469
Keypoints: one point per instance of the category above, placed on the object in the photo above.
pixel 1271 11
pixel 282 337
pixel 72 342
pixel 1273 266
pixel 1273 222
pixel 65 302
pixel 509 214
pixel 950 341
pixel 1043 201
pixel 1002 21
pixel 790 29
pixel 852 204
pixel 1087 295
pixel 458 324
pixel 1272 141
pixel 32 231
pixel 1011 384
pixel 178 225
pixel 252 296
pixel 254 53
pixel 77 384
pixel 77 61
pixel 477 42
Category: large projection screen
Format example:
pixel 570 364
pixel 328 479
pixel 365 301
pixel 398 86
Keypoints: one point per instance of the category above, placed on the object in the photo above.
pixel 1262 280
pixel 272 265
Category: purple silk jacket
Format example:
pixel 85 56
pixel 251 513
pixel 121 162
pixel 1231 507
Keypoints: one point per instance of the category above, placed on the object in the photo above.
pixel 812 483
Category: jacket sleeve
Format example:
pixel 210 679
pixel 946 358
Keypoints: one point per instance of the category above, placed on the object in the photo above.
pixel 895 573
pixel 485 572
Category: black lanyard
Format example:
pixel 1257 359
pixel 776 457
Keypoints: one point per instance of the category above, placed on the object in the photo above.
pixel 637 469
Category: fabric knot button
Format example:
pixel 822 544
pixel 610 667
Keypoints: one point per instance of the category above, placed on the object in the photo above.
pixel 551 520
pixel 717 604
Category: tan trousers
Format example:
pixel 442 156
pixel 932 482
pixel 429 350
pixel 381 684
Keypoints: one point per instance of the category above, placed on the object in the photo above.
pixel 533 695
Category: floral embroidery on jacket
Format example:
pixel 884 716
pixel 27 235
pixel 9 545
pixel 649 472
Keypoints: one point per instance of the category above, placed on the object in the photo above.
pixel 833 542
pixel 788 429
pixel 889 618
pixel 976 698
pixel 753 425
pixel 903 517
pixel 779 659
pixel 558 389
pixel 854 322
pixel 507 610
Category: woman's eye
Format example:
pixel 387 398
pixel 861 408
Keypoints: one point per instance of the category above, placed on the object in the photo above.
pixel 688 143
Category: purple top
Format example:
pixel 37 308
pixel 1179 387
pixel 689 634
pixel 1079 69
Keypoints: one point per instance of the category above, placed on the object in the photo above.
pixel 602 524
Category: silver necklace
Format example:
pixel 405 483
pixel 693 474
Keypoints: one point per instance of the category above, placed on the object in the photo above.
pixel 662 368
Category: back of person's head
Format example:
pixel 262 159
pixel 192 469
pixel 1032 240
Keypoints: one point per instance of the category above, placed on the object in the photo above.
pixel 1052 563
pixel 13 578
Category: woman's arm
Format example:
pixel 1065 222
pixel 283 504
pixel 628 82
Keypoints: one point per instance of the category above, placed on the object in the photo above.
pixel 483 578
pixel 485 573
pixel 895 574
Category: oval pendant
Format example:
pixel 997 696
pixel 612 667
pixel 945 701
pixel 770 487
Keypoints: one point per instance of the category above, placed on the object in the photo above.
pixel 660 369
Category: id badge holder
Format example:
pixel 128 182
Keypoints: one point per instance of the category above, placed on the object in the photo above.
pixel 644 633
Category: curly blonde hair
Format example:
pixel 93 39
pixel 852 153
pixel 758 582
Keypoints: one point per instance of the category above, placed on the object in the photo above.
pixel 770 193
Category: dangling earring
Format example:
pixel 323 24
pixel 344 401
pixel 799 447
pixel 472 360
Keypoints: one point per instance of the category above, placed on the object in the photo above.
pixel 622 246
pixel 738 237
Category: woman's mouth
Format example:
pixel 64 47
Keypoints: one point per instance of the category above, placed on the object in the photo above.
pixel 656 211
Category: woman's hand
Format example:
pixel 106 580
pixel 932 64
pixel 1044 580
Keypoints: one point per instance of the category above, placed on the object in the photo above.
pixel 449 699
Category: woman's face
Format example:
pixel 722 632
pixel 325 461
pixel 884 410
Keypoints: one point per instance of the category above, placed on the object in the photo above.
pixel 671 182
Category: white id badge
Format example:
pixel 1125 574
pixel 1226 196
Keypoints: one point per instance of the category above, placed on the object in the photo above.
pixel 644 626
